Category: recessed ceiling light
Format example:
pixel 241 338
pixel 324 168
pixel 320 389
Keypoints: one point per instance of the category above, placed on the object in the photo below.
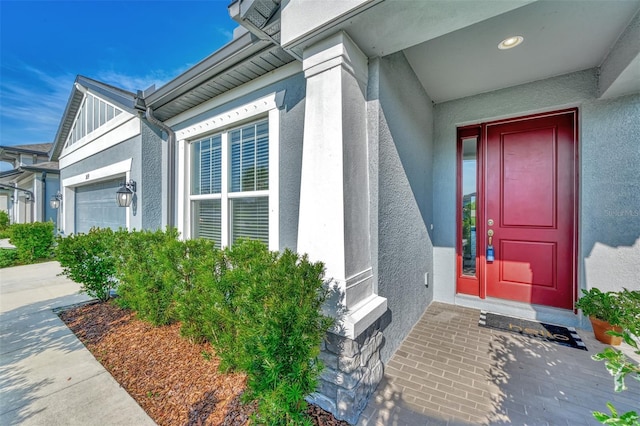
pixel 510 42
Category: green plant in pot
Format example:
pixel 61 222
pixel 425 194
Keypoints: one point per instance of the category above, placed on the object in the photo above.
pixel 604 312
pixel 624 309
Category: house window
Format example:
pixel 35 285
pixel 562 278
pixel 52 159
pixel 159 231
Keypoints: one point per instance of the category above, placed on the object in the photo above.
pixel 230 185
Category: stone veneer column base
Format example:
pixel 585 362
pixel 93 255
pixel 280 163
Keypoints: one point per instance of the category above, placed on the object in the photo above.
pixel 352 371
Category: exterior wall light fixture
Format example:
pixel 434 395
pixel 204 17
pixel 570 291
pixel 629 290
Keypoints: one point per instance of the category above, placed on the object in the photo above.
pixel 124 195
pixel 55 200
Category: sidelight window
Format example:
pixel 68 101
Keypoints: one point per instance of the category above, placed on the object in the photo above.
pixel 469 205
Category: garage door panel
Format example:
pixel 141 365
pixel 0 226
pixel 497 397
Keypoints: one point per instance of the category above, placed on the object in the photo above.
pixel 96 207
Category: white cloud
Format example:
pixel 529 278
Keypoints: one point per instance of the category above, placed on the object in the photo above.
pixel 132 83
pixel 32 105
pixel 225 32
pixel 32 101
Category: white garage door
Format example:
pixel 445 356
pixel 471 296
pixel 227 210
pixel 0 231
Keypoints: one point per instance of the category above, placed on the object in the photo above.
pixel 96 207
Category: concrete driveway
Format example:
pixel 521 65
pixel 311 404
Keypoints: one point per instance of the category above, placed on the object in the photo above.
pixel 47 376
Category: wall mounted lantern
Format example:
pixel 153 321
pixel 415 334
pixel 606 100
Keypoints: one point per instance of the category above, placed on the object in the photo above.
pixel 124 195
pixel 55 200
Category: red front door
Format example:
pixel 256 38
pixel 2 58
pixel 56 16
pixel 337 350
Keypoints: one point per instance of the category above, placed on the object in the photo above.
pixel 529 204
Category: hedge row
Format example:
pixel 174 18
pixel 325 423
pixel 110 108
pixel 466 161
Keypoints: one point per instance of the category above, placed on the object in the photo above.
pixel 33 242
pixel 260 310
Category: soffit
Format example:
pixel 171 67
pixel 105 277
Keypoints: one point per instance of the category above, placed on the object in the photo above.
pixel 212 82
pixel 559 38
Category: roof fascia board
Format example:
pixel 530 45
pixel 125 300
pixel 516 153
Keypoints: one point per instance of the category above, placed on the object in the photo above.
pixel 116 96
pixel 10 173
pixel 40 169
pixel 16 150
pixel 61 134
pixel 233 52
pixel 268 79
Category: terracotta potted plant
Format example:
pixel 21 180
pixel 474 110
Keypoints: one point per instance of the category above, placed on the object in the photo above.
pixel 604 312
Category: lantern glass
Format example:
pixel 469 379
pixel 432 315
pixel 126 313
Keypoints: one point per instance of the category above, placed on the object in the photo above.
pixel 124 196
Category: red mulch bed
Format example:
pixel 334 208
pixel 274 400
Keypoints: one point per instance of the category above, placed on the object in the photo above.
pixel 175 381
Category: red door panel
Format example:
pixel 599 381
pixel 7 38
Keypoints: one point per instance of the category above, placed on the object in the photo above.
pixel 530 197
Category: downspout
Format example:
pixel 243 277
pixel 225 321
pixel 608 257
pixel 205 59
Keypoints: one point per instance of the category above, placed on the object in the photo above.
pixel 171 166
pixel 44 196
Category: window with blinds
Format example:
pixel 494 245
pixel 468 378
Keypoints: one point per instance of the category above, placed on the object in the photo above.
pixel 206 160
pixel 207 220
pixel 245 202
pixel 250 158
pixel 250 219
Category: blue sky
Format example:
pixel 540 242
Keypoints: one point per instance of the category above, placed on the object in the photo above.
pixel 129 44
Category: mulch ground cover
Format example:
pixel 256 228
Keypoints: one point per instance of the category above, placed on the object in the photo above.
pixel 177 382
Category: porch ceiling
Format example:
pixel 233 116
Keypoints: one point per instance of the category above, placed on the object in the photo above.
pixel 559 37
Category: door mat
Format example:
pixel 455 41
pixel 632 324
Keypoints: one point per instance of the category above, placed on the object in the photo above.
pixel 565 336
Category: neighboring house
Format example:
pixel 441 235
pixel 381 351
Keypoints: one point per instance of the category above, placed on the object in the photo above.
pixel 353 131
pixel 101 143
pixel 26 189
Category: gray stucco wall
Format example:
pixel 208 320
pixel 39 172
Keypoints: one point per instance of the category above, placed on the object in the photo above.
pixel 610 216
pixel 52 186
pixel 152 172
pixel 609 151
pixel 145 152
pixel 401 151
pixel 291 136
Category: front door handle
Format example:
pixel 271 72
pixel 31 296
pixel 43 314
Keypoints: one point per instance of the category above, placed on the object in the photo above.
pixel 490 253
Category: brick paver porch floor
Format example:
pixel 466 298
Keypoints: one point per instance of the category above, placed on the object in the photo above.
pixel 449 371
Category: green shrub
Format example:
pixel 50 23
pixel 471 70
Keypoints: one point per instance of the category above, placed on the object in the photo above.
pixel 8 257
pixel 225 300
pixel 149 274
pixel 88 259
pixel 261 311
pixel 282 333
pixel 199 295
pixel 33 241
pixel 4 220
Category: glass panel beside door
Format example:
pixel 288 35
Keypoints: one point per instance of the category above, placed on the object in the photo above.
pixel 469 171
pixel 468 212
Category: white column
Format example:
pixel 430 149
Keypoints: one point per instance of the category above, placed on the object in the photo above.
pixel 334 193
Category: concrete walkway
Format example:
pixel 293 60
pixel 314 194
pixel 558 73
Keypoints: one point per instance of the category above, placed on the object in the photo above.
pixel 450 371
pixel 5 244
pixel 47 376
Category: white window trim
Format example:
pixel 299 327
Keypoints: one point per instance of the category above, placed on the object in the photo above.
pixel 109 172
pixel 268 107
pixel 124 127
